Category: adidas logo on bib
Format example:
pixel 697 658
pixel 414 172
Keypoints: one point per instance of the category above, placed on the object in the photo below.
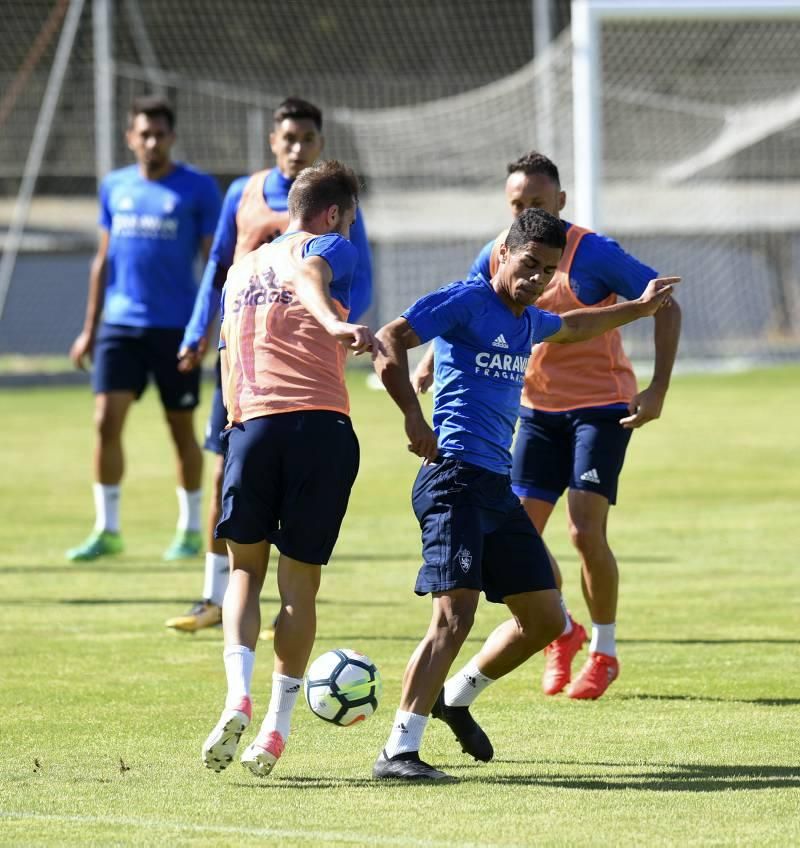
pixel 590 476
pixel 500 342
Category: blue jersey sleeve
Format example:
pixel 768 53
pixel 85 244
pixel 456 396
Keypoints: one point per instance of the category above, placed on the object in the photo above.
pixel 481 263
pixel 601 267
pixel 342 256
pixel 220 259
pixel 443 310
pixel 209 206
pixel 361 287
pixel 545 324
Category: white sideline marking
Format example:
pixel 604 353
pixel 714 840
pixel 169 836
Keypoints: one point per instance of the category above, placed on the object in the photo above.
pixel 317 836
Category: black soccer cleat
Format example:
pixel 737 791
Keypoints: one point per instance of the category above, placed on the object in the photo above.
pixel 471 737
pixel 408 766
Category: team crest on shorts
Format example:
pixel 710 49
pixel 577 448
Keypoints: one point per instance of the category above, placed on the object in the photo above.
pixel 464 559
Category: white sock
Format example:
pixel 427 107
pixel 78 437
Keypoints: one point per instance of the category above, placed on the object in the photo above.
pixel 604 639
pixel 106 507
pixel 285 690
pixel 189 504
pixel 406 733
pixel 239 661
pixel 463 688
pixel 568 626
pixel 216 579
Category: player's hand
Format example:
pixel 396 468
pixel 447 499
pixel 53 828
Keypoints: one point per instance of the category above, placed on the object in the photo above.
pixel 422 378
pixel 421 439
pixel 190 358
pixel 646 406
pixel 82 350
pixel 658 294
pixel 357 338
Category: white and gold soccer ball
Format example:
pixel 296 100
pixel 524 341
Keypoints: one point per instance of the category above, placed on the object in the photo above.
pixel 343 687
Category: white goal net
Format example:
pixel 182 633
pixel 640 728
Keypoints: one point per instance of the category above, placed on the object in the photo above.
pixel 429 100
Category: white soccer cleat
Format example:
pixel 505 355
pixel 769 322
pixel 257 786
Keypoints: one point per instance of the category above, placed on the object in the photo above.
pixel 220 747
pixel 261 754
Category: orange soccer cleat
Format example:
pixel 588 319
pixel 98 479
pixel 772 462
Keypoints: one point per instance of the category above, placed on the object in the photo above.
pixel 558 659
pixel 599 672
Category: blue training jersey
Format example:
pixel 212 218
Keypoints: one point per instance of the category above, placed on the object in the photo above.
pixel 600 267
pixel 155 228
pixel 276 194
pixel 481 351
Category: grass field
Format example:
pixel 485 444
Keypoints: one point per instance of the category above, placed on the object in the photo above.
pixel 698 743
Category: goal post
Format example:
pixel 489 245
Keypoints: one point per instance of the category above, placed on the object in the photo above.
pixel 588 16
pixel 686 134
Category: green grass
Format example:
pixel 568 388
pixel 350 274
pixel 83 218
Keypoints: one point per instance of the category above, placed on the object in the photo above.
pixel 698 743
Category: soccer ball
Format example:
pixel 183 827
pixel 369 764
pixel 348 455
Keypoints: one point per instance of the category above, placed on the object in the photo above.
pixel 343 687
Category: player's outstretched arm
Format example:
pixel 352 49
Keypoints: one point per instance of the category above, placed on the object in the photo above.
pixel 391 365
pixel 647 404
pixel 83 346
pixel 581 324
pixel 312 286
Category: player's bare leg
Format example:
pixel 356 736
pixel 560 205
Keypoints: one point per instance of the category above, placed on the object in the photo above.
pixel 537 620
pixel 587 513
pixel 560 653
pixel 187 541
pixel 241 623
pixel 241 610
pixel 452 618
pixel 537 617
pixel 110 413
pixel 296 629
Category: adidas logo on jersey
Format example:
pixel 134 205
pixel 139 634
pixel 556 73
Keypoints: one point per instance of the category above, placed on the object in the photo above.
pixel 500 341
pixel 590 476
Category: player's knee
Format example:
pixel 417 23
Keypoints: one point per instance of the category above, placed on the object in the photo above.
pixel 587 536
pixel 455 622
pixel 107 425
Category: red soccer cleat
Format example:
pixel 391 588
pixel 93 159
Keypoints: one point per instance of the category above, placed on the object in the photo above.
pixel 558 659
pixel 596 676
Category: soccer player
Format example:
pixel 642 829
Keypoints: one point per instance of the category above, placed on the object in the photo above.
pixel 254 213
pixel 579 406
pixel 291 455
pixel 476 536
pixel 154 218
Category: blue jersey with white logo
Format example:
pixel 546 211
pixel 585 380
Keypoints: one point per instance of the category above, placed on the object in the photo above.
pixel 156 228
pixel 481 351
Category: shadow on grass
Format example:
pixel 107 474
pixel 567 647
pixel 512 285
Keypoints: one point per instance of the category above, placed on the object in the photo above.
pixel 298 782
pixel 763 702
pixel 670 777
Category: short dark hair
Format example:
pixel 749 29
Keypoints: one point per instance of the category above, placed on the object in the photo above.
pixel 532 163
pixel 298 109
pixel 536 225
pixel 154 106
pixel 326 184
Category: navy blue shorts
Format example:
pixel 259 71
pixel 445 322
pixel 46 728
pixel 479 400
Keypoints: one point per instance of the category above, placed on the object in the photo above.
pixel 287 480
pixel 217 418
pixel 475 533
pixel 583 449
pixel 125 357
